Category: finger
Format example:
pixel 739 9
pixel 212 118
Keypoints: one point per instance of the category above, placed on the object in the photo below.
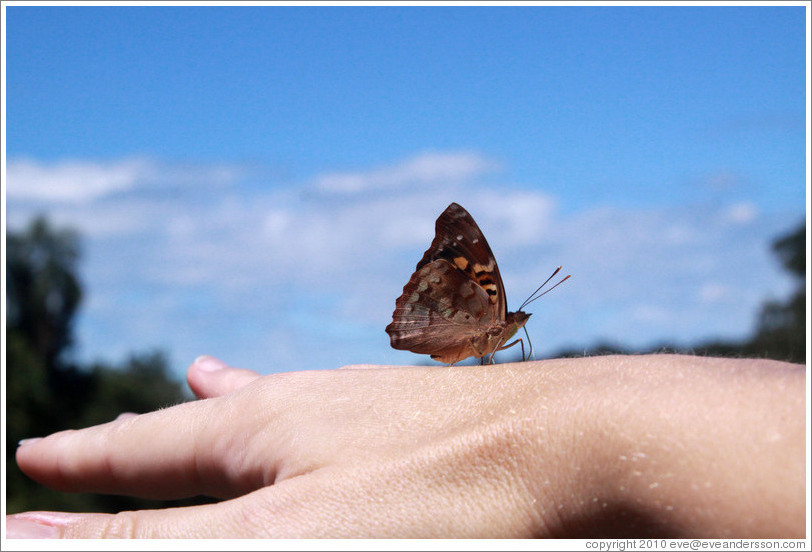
pixel 199 447
pixel 262 514
pixel 210 377
pixel 437 496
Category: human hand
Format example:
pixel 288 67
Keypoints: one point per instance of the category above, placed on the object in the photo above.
pixel 553 448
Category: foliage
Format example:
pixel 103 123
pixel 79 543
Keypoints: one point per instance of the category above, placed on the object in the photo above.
pixel 43 289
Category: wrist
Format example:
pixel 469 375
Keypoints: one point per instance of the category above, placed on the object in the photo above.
pixel 669 445
pixel 597 453
pixel 561 434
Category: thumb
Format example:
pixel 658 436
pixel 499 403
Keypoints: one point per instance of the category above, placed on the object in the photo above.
pixel 209 377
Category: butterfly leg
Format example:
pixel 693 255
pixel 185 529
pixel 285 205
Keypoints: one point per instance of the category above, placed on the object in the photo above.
pixel 530 356
pixel 507 347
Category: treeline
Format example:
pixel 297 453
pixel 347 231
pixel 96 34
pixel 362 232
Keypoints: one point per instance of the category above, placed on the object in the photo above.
pixel 47 391
pixel 779 329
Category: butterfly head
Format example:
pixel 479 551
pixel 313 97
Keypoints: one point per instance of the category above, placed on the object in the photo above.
pixel 514 322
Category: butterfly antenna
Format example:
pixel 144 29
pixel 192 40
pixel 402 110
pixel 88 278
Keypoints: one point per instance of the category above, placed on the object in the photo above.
pixel 533 295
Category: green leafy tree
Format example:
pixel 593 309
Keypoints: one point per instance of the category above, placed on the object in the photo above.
pixel 781 331
pixel 43 289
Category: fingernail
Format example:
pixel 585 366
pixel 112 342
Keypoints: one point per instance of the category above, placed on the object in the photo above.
pixel 17 528
pixel 208 364
pixel 126 415
pixel 31 441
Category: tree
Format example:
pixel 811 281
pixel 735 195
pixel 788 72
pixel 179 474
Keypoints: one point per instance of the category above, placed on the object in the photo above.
pixel 43 289
pixel 791 250
pixel 781 331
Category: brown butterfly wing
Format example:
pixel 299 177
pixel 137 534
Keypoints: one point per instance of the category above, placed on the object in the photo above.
pixel 441 313
pixel 459 240
pixel 454 295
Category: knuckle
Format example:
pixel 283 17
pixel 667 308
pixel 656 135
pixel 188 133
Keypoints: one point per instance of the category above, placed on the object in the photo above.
pixel 123 525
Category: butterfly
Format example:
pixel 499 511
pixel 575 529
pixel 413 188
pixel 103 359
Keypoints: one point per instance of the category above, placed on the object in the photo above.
pixel 454 306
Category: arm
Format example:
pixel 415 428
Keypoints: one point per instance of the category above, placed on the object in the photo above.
pixel 660 445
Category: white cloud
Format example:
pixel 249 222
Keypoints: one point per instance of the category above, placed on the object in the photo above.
pixel 740 213
pixel 77 182
pixel 259 273
pixel 713 292
pixel 73 181
pixel 423 169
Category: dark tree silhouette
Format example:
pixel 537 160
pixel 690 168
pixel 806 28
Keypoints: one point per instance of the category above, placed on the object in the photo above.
pixel 43 290
pixel 781 331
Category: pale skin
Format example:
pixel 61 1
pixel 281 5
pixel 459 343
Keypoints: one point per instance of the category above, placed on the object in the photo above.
pixel 656 445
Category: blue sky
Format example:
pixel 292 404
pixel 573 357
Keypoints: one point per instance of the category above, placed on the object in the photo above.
pixel 258 182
